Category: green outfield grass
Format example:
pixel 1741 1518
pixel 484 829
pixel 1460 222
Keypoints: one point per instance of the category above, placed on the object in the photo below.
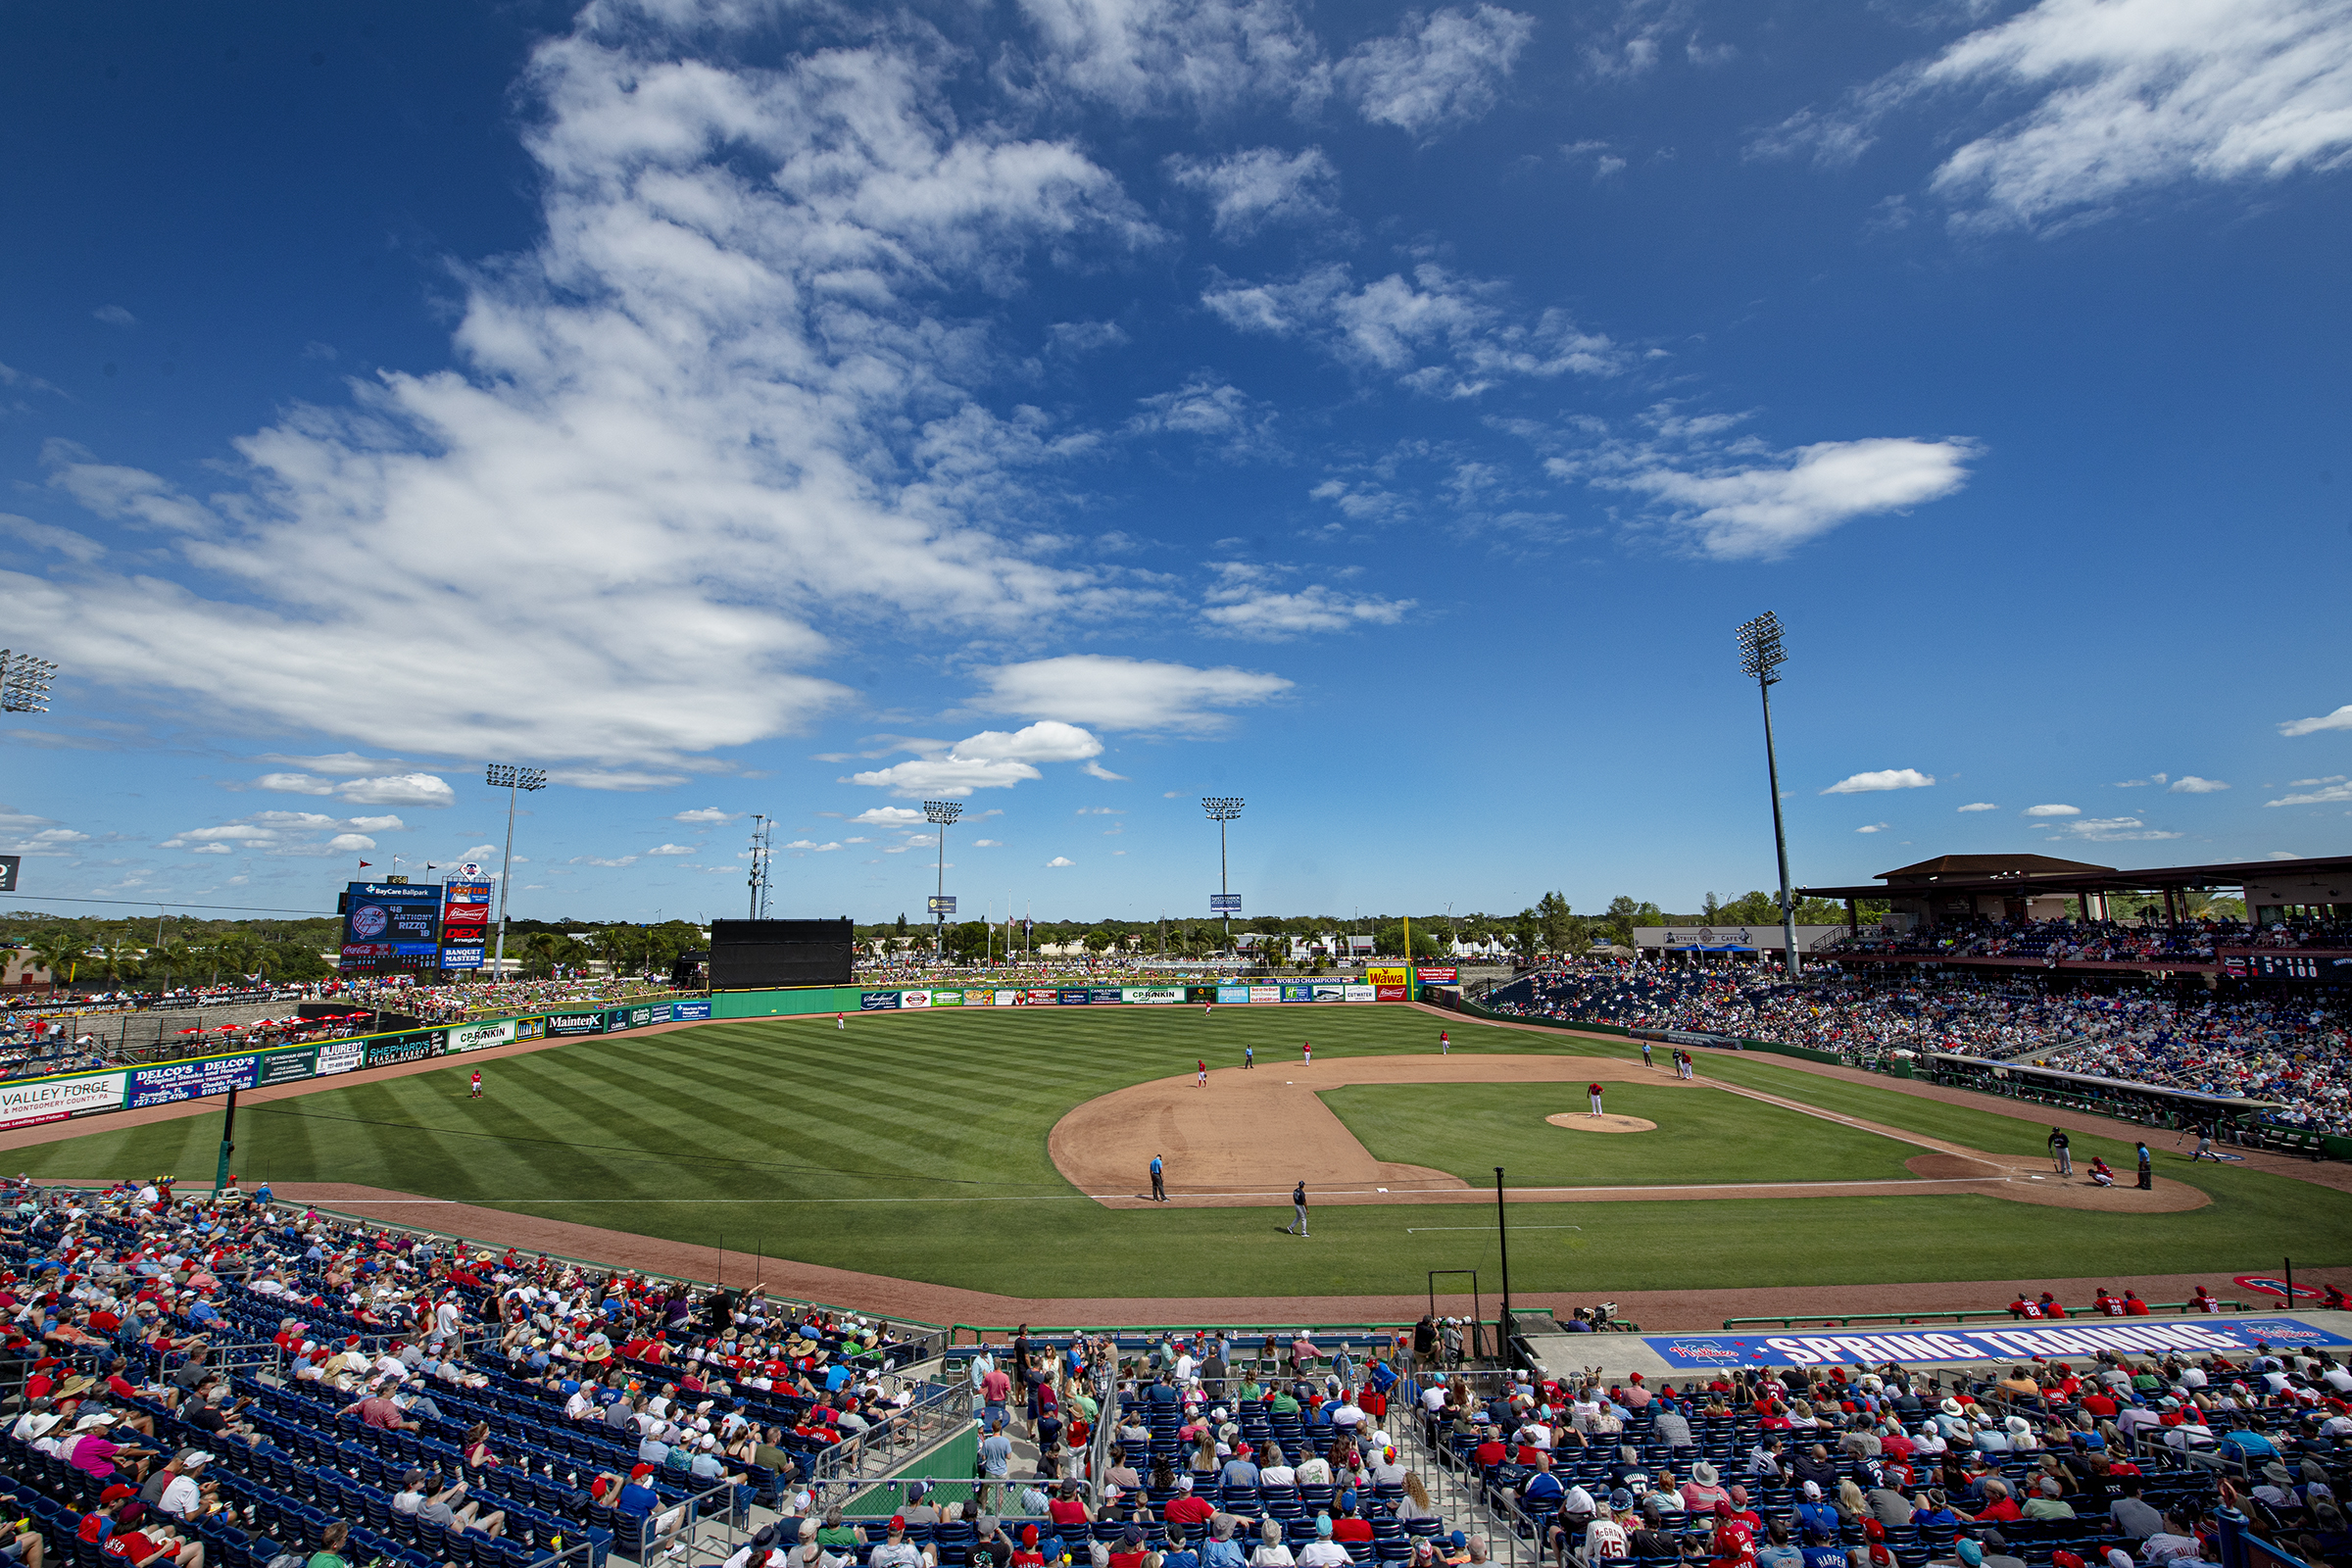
pixel 915 1146
pixel 1703 1135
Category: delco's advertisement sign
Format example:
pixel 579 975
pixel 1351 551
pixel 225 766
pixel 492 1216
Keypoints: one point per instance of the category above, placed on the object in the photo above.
pixel 2144 1337
pixel 481 1035
pixel 190 1080
pixel 23 1105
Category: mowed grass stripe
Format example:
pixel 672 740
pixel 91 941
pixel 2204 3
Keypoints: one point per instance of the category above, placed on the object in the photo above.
pixel 974 1094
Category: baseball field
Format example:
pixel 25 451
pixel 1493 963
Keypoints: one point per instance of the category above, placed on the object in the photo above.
pixel 1005 1151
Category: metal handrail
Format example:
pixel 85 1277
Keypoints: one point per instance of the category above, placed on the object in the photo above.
pixel 899 1435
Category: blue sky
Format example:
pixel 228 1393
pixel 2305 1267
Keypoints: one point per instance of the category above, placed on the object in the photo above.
pixel 1076 407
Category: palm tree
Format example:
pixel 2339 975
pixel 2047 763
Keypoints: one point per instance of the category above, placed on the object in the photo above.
pixel 539 951
pixel 117 958
pixel 59 950
pixel 173 958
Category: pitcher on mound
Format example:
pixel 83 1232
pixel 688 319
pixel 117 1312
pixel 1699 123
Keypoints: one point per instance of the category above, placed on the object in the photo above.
pixel 1592 1092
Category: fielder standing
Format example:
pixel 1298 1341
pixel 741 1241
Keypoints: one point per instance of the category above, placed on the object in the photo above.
pixel 1298 1227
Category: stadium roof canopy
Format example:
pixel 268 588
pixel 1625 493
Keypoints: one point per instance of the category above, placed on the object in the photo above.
pixel 2041 876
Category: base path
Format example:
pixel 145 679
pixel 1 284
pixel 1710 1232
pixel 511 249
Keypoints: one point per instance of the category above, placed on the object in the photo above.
pixel 1244 1140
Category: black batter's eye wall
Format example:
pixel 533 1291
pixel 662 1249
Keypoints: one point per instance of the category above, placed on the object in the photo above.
pixel 752 955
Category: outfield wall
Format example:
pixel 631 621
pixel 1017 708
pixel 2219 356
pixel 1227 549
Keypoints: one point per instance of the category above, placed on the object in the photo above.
pixel 66 1096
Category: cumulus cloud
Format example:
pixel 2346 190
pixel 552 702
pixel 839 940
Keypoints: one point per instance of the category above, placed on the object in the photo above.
pixel 2341 718
pixel 1886 778
pixel 724 394
pixel 990 760
pixel 399 789
pixel 1739 509
pixel 987 844
pixel 2108 829
pixel 1436 72
pixel 1098 771
pixel 672 849
pixel 1156 55
pixel 2190 784
pixel 350 843
pixel 2053 810
pixel 2098 101
pixel 338 763
pixel 1980 806
pixel 2328 794
pixel 1244 603
pixel 1117 693
pixel 1436 333
pixel 705 816
pixel 1875 827
pixel 1211 408
pixel 1260 185
pixel 1060 860
pixel 889 816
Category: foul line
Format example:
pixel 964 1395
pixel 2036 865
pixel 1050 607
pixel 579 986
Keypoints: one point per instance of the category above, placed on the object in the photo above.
pixel 1415 1230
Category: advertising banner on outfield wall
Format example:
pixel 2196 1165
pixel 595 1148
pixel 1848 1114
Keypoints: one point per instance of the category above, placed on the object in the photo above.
pixel 1107 996
pixel 415 1046
pixel 1073 997
pixel 1233 994
pixel 575 1023
pixel 877 1001
pixel 947 999
pixel 1384 975
pixel 1298 993
pixel 987 998
pixel 692 1011
pixel 1151 995
pixel 1266 993
pixel 480 1036
pixel 914 999
pixel 1329 991
pixel 640 1017
pixel 2141 1337
pixel 286 1067
pixel 190 1080
pixel 1388 993
pixel 1200 993
pixel 1441 975
pixel 1356 993
pixel 22 1105
pixel 338 1056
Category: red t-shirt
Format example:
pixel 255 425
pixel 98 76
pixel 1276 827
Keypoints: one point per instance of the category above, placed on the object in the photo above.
pixel 1189 1510
pixel 1352 1530
pixel 1067 1511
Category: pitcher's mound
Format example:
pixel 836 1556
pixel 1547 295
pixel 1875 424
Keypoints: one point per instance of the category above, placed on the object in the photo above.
pixel 1584 1121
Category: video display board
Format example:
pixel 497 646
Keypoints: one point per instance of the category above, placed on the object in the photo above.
pixel 389 926
pixel 465 921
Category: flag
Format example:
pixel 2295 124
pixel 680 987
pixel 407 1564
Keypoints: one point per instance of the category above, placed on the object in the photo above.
pixel 365 864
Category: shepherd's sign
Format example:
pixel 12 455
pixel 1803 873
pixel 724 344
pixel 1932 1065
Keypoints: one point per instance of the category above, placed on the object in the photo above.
pixel 2134 1337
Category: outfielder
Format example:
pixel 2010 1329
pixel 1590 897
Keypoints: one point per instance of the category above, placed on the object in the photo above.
pixel 1200 1082
pixel 1298 1227
pixel 1445 1045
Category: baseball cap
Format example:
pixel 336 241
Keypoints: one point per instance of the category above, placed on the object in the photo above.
pixel 897 1523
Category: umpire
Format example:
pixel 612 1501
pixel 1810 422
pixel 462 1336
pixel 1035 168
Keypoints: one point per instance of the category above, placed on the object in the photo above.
pixel 2147 1167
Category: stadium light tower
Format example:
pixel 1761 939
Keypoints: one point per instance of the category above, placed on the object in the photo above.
pixel 24 682
pixel 1221 809
pixel 941 813
pixel 514 780
pixel 1760 660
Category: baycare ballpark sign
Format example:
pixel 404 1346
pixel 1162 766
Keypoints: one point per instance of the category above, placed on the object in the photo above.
pixel 2137 1337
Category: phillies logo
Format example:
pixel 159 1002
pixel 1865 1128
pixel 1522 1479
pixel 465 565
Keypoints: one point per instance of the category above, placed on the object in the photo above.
pixel 1702 1351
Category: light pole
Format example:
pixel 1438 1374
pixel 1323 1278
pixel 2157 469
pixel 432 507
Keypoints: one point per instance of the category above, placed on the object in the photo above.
pixel 24 682
pixel 939 813
pixel 1221 809
pixel 1760 659
pixel 514 780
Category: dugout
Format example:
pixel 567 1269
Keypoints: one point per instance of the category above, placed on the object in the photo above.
pixel 758 955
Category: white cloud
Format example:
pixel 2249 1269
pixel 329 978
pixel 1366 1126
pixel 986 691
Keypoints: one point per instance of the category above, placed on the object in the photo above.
pixel 58 840
pixel 707 815
pixel 2053 810
pixel 2283 855
pixel 596 859
pixel 42 536
pixel 278 820
pixel 1126 694
pixel 1436 333
pixel 2190 784
pixel 379 825
pixel 614 778
pixel 1060 860
pixel 2320 796
pixel 1875 827
pixel 1886 778
pixel 672 849
pixel 1244 604
pixel 233 833
pixel 212 849
pixel 990 760
pixel 1208 55
pixel 1744 510
pixel 114 316
pixel 737 341
pixel 2117 97
pixel 1098 771
pixel 1211 409
pixel 889 816
pixel 351 842
pixel 987 844
pixel 1259 185
pixel 1436 73
pixel 1980 806
pixel 294 784
pixel 399 789
pixel 2341 718
pixel 2109 829
pixel 340 763
pixel 480 852
pixel 2305 783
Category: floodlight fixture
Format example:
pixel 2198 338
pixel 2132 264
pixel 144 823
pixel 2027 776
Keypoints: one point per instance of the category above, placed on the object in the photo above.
pixel 940 814
pixel 1760 653
pixel 515 781
pixel 1221 809
pixel 24 682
